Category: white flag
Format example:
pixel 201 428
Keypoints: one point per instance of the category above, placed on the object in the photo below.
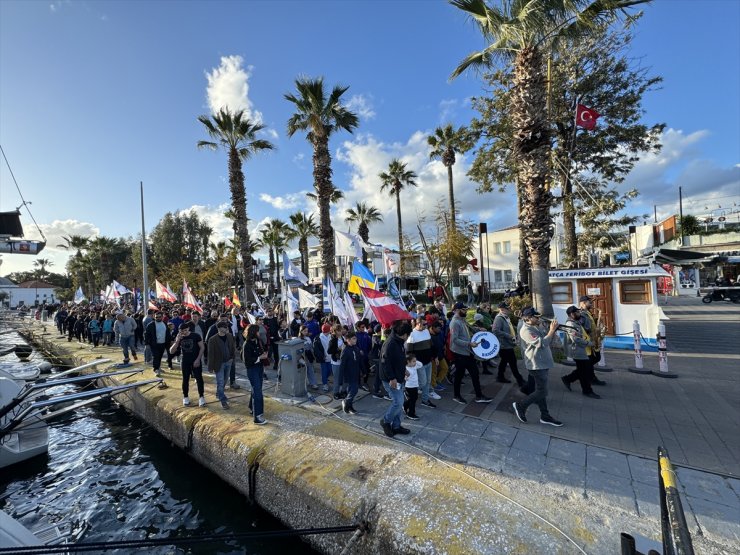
pixel 120 288
pixel 79 295
pixel 292 305
pixel 335 302
pixel 290 271
pixel 351 314
pixel 347 244
pixel 391 261
pixel 306 299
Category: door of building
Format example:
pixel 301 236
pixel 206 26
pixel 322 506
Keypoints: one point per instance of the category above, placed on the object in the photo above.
pixel 600 291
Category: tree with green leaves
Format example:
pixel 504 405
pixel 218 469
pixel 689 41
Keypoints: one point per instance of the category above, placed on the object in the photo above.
pixel 363 215
pixel 521 34
pixel 446 143
pixel 394 180
pixel 321 115
pixel 76 265
pixel 274 236
pixel 42 264
pixel 235 133
pixel 334 196
pixel 302 228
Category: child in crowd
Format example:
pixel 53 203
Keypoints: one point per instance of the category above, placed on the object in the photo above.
pixel 412 386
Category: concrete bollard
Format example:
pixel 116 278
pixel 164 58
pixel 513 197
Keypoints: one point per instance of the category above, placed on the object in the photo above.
pixel 663 354
pixel 601 365
pixel 638 367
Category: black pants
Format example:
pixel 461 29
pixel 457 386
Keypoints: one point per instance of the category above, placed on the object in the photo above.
pixel 409 405
pixel 197 373
pixel 158 350
pixel 275 359
pixel 593 358
pixel 509 357
pixel 463 363
pixel 581 374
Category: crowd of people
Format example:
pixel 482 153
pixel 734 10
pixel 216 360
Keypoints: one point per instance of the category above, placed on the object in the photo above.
pixel 409 362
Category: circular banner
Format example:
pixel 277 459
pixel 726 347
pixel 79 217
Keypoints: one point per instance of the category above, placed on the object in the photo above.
pixel 488 345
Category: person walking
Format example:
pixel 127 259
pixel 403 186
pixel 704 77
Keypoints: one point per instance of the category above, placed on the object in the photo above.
pixel 420 344
pixel 506 334
pixel 222 350
pixel 253 355
pixel 191 347
pixel 124 329
pixel 158 338
pixel 538 361
pixel 393 375
pixel 585 306
pixel 350 363
pixel 462 348
pixel 580 350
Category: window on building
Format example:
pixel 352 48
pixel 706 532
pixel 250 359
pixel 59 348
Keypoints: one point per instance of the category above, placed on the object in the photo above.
pixel 562 293
pixel 507 247
pixel 497 275
pixel 635 291
pixel 508 276
pixel 497 248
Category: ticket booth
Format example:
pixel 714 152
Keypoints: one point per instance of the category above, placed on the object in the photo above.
pixel 620 295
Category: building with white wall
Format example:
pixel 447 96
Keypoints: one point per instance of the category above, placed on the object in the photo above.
pixel 28 293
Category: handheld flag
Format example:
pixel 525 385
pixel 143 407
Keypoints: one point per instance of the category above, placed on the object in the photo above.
pixel 153 306
pixel 306 299
pixel 79 296
pixel 258 302
pixel 292 302
pixel 351 314
pixel 391 261
pixel 164 293
pixel 347 244
pixel 290 271
pixel 188 299
pixel 361 277
pixel 235 299
pixel 385 309
pixel 586 117
pixel 227 302
pixel 121 289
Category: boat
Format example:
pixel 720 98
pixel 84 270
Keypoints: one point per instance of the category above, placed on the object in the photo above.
pixel 24 371
pixel 15 534
pixel 25 408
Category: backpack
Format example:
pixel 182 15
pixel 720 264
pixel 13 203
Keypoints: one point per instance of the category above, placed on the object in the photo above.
pixel 333 349
pixel 318 349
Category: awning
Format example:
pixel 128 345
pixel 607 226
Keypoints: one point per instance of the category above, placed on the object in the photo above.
pixel 678 258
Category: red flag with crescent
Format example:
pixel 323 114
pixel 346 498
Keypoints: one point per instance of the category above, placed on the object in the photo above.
pixel 586 117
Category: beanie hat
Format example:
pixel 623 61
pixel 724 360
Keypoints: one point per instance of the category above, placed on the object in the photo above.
pixel 326 328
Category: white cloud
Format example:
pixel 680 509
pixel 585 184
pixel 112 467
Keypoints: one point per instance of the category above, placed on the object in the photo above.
pixel 215 218
pixel 287 202
pixel 362 105
pixel 272 134
pixel 228 87
pixel 448 109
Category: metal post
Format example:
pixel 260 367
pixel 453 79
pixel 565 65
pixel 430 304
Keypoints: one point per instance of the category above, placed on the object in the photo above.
pixel 663 354
pixel 680 213
pixel 638 367
pixel 676 535
pixel 145 291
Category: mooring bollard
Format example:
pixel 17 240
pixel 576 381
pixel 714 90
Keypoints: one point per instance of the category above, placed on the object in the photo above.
pixel 663 354
pixel 638 367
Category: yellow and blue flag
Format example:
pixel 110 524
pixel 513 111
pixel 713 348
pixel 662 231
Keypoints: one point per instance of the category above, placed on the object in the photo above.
pixel 361 277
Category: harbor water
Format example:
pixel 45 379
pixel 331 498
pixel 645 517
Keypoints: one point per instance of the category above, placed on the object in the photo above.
pixel 126 482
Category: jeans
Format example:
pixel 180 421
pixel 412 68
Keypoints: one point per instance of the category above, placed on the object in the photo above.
pixel 310 373
pixel 232 372
pixel 325 372
pixel 539 396
pixel 256 401
pixel 353 384
pixel 221 377
pixel 147 353
pixel 425 377
pixel 336 370
pixel 126 344
pixel 468 363
pixel 393 414
pixel 509 357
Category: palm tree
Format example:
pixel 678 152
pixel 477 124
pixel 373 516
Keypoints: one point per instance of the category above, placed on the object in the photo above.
pixel 364 215
pixel 334 197
pixel 275 236
pixel 303 228
pixel 237 135
pixel 446 142
pixel 321 115
pixel 519 33
pixel 77 242
pixel 75 266
pixel 394 180
pixel 42 264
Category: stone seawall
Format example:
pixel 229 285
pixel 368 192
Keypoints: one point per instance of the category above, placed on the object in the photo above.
pixel 314 470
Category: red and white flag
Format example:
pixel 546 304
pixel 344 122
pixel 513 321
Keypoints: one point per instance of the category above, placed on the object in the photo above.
pixel 188 300
pixel 385 309
pixel 586 117
pixel 164 293
pixel 153 306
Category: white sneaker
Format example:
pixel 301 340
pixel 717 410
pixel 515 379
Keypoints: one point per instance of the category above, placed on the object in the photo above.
pixel 434 395
pixel 186 401
pixel 202 402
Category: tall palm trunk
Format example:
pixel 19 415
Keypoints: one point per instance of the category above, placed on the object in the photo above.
pixel 364 232
pixel 532 150
pixel 400 230
pixel 322 178
pixel 303 249
pixel 524 262
pixel 570 252
pixel 454 272
pixel 271 268
pixel 239 206
pixel 277 266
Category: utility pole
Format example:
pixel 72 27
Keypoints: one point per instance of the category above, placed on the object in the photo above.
pixel 655 213
pixel 680 213
pixel 145 291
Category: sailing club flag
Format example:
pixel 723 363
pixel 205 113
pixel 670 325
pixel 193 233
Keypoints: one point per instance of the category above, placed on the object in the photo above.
pixel 361 277
pixel 586 117
pixel 79 295
pixel 351 314
pixel 347 244
pixel 391 261
pixel 258 302
pixel 306 299
pixel 385 309
pixel 290 271
pixel 188 299
pixel 235 299
pixel 292 302
pixel 121 289
pixel 164 293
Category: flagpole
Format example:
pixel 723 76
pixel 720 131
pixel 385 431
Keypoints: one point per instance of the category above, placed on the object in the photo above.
pixel 145 293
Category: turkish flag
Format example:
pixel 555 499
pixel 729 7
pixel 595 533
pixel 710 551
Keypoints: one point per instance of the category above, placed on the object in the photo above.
pixel 586 117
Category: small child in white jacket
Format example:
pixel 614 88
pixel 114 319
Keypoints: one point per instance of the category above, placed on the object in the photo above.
pixel 412 386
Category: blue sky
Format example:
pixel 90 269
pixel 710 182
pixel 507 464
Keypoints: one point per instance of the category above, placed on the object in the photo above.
pixel 97 96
